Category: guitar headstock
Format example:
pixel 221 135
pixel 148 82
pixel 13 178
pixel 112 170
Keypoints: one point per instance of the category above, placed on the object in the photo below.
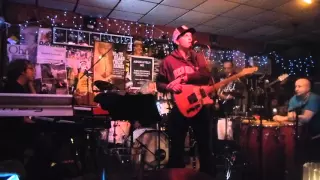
pixel 249 70
pixel 283 77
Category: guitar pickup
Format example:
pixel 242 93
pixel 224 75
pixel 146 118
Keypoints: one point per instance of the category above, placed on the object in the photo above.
pixel 203 93
pixel 192 98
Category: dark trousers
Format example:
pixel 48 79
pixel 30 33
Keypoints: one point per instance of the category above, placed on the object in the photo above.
pixel 12 142
pixel 178 127
pixel 313 150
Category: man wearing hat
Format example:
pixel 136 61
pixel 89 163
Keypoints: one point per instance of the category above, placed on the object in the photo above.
pixel 185 66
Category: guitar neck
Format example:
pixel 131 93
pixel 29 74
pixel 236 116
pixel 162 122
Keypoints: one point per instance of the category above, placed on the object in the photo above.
pixel 272 83
pixel 216 86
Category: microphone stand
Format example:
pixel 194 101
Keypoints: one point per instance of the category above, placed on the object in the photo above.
pixel 298 111
pixel 296 136
pixel 267 116
pixel 86 72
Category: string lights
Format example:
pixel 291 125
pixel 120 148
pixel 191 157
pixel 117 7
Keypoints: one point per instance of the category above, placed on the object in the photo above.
pixel 299 66
pixel 102 25
pixel 151 33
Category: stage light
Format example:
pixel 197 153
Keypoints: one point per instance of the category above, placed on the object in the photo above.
pixel 308 1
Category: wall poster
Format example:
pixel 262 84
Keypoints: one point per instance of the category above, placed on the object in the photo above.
pixel 103 61
pixel 141 70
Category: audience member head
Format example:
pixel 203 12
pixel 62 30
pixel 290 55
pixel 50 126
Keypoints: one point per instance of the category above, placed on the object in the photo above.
pixel 20 70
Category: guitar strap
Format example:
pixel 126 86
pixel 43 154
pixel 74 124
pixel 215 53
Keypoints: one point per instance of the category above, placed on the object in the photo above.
pixel 193 62
pixel 195 65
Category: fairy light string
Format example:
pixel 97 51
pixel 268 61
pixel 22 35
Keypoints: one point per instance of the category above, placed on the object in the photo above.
pixel 297 66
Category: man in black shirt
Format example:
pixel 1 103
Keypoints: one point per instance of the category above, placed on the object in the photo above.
pixel 20 74
pixel 230 96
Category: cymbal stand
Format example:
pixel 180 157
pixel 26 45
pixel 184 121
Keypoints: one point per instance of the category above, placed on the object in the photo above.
pixel 229 157
pixel 114 150
pixel 260 152
pixel 114 132
pixel 192 147
pixel 159 152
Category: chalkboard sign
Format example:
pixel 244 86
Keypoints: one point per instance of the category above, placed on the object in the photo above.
pixel 141 70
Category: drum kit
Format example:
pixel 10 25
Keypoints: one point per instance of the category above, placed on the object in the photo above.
pixel 146 148
pixel 267 147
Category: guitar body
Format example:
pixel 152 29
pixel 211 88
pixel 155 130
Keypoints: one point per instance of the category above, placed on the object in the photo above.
pixel 191 100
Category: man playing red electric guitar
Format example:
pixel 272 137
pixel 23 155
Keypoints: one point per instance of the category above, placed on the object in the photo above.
pixel 184 66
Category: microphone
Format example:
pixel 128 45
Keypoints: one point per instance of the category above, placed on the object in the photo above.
pixel 195 43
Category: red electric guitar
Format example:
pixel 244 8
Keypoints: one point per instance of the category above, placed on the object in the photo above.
pixel 192 97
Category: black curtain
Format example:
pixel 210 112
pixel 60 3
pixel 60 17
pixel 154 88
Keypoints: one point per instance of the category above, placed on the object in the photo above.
pixel 3 44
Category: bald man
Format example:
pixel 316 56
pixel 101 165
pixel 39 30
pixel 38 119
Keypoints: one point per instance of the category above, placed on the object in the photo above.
pixel 310 116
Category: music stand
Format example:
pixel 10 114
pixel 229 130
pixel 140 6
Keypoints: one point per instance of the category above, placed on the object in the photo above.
pixel 141 107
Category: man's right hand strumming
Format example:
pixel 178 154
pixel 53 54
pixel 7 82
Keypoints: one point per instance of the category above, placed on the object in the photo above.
pixel 175 86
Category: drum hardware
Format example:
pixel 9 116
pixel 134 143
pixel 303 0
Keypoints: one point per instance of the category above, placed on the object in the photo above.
pixel 229 154
pixel 146 151
pixel 190 141
pixel 191 145
pixel 159 150
pixel 141 107
pixel 92 136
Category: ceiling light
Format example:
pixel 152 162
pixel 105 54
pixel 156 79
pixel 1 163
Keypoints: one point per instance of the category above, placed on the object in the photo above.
pixel 308 1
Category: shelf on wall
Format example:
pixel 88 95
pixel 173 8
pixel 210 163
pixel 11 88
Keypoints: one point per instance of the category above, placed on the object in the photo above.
pixel 73 37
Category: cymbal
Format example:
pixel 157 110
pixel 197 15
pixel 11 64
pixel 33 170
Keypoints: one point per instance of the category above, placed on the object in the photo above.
pixel 104 85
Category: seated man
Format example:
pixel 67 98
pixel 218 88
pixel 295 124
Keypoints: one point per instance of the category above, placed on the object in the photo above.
pixel 13 135
pixel 309 105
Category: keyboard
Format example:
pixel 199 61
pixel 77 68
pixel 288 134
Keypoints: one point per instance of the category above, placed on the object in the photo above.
pixel 15 105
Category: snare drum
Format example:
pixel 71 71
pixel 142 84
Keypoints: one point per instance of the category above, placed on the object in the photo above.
pixel 272 149
pixel 149 138
pixel 118 132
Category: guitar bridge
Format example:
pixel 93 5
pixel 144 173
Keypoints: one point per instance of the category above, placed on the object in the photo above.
pixel 193 108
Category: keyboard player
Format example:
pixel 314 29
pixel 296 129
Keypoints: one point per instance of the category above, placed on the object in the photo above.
pixel 20 75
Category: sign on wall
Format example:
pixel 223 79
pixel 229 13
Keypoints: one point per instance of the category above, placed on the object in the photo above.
pixel 141 70
pixel 46 53
pixel 17 52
